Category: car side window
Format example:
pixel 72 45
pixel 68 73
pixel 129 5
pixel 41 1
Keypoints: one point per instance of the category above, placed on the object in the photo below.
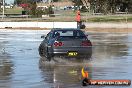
pixel 80 33
pixel 48 36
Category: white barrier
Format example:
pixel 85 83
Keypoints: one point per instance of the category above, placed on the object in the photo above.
pixel 62 25
pixel 38 24
pixel 108 25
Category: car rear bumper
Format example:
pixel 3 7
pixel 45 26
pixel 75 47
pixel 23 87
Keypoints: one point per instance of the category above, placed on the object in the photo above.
pixel 64 51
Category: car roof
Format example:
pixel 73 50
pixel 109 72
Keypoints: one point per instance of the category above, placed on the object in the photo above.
pixel 59 29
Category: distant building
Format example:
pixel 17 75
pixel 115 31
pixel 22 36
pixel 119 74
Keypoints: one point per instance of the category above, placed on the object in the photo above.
pixel 45 1
pixel 7 6
pixel 61 4
pixel 56 4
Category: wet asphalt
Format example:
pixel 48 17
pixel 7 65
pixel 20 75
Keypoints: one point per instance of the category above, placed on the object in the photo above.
pixel 22 67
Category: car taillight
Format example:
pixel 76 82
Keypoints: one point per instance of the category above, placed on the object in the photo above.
pixel 86 43
pixel 58 44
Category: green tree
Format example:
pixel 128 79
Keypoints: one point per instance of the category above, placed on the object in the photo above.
pixel 56 0
pixel 77 3
pixel 32 7
pixel 22 1
pixel 109 6
pixel 130 6
pixel 0 6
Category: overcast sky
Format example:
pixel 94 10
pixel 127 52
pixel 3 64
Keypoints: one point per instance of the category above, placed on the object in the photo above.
pixel 9 1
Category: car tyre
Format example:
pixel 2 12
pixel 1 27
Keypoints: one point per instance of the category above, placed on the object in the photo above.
pixel 41 51
pixel 48 56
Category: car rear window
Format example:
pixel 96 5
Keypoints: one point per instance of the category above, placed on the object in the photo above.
pixel 69 34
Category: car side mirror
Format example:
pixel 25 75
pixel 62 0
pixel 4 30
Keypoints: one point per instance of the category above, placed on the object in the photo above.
pixel 43 36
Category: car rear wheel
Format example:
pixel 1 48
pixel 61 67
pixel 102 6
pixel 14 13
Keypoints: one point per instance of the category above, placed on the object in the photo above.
pixel 48 56
pixel 44 54
pixel 41 51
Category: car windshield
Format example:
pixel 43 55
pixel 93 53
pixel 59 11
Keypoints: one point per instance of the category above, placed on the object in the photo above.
pixel 69 34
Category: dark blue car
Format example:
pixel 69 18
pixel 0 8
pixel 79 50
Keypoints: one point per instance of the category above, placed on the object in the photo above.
pixel 67 43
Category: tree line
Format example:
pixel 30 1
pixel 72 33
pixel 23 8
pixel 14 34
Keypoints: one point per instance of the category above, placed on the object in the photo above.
pixel 30 8
pixel 96 6
pixel 27 1
pixel 106 6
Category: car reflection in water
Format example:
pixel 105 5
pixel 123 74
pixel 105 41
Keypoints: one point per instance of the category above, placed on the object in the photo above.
pixel 64 72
